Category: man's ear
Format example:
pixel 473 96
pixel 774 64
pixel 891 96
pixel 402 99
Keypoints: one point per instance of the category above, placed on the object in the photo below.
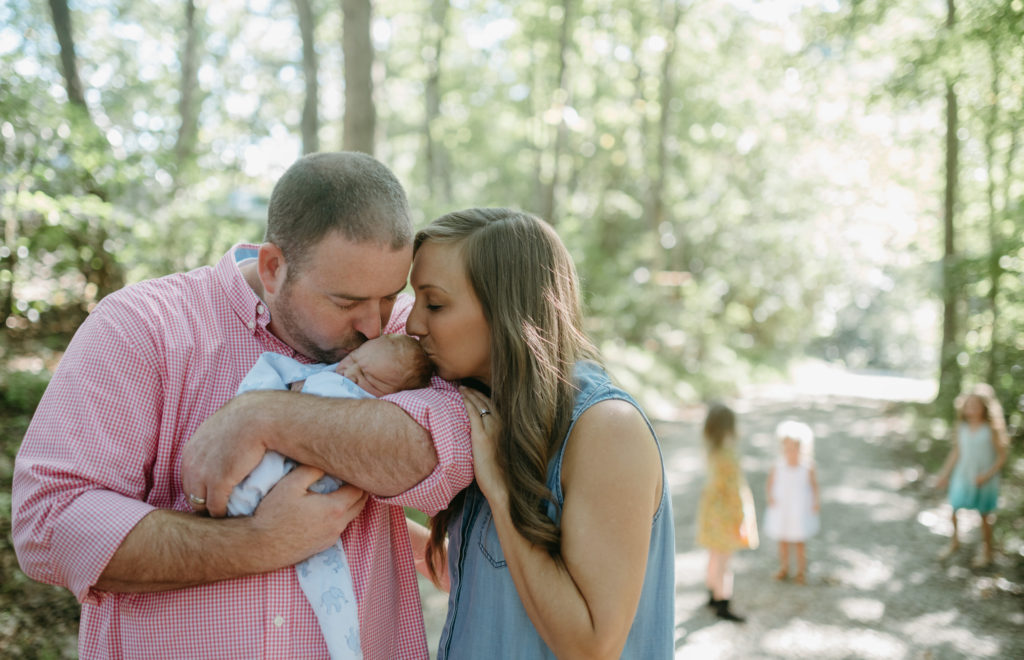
pixel 272 268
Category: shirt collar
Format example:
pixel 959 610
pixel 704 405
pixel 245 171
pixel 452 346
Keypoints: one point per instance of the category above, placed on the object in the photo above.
pixel 240 297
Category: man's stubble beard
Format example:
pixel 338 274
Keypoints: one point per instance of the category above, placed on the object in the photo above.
pixel 302 342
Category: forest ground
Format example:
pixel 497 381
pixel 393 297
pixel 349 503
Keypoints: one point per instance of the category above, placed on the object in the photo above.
pixel 875 588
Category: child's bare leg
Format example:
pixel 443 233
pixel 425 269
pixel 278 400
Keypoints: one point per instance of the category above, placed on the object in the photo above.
pixel 726 579
pixel 719 580
pixel 985 558
pixel 801 562
pixel 954 543
pixel 709 580
pixel 783 561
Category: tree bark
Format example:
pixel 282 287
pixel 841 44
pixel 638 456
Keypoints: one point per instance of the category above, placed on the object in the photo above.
pixel 357 46
pixel 561 100
pixel 310 71
pixel 950 371
pixel 68 60
pixel 184 147
pixel 994 243
pixel 657 192
pixel 438 168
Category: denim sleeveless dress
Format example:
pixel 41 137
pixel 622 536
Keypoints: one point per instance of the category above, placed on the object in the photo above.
pixel 487 620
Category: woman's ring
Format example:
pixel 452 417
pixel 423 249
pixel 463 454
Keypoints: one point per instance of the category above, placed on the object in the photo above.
pixel 484 411
pixel 197 501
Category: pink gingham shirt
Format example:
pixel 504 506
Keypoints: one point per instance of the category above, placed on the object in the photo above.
pixel 150 363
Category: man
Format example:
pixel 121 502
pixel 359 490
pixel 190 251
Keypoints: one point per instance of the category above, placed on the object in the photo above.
pixel 98 505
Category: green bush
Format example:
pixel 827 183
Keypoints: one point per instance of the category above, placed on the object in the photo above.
pixel 20 391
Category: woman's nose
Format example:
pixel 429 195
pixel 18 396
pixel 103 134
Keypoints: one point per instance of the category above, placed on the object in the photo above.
pixel 414 324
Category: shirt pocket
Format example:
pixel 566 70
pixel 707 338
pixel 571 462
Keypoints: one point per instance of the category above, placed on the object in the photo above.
pixel 487 540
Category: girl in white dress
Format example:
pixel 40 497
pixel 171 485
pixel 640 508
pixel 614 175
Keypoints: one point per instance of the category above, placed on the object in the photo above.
pixel 793 504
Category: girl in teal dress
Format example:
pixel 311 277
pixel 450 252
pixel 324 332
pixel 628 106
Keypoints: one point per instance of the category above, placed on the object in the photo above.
pixel 971 470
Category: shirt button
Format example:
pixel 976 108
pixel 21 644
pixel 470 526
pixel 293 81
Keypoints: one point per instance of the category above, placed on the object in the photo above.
pixel 259 309
pixel 252 325
pixel 278 620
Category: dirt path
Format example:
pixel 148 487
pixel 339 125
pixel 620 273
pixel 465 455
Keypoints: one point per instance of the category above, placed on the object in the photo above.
pixel 874 587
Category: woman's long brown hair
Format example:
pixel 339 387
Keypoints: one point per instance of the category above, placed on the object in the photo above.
pixel 526 283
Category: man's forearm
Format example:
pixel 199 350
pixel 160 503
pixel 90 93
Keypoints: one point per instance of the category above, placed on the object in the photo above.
pixel 372 444
pixel 173 550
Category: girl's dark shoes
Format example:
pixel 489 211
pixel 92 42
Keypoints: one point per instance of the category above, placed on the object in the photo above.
pixel 722 611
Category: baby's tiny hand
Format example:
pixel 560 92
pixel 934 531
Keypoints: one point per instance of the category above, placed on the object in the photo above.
pixel 297 386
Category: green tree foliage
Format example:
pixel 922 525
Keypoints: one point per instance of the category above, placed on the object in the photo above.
pixel 784 202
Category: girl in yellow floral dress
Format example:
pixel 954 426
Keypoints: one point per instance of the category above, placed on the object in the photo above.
pixel 725 520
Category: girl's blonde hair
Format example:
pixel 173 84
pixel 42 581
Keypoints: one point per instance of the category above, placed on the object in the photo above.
pixel 800 432
pixel 993 410
pixel 526 283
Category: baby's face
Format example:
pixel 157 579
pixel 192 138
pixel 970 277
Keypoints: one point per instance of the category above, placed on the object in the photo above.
pixel 791 451
pixel 376 366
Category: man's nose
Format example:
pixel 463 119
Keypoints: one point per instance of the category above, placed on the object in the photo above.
pixel 369 322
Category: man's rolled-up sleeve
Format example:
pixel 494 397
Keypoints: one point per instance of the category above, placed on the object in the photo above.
pixel 84 466
pixel 439 410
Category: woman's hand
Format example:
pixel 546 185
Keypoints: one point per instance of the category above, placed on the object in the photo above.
pixel 485 426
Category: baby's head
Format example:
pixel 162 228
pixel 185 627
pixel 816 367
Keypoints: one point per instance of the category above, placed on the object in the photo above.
pixel 388 364
pixel 796 440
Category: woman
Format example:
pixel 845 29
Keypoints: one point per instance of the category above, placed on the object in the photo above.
pixel 564 546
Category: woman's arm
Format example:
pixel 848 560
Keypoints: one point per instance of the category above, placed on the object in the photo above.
pixel 418 536
pixel 612 480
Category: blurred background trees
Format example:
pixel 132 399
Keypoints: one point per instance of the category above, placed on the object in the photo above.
pixel 742 183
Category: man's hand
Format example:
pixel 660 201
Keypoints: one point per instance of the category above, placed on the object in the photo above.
pixel 173 550
pixel 223 450
pixel 302 522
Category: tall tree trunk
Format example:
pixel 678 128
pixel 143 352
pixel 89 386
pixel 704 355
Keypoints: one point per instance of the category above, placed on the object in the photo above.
pixel 438 170
pixel 184 148
pixel 310 71
pixel 994 243
pixel 950 372
pixel 561 100
pixel 68 60
pixel 357 46
pixel 657 192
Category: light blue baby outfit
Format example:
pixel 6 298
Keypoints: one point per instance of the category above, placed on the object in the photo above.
pixel 976 456
pixel 486 618
pixel 325 578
